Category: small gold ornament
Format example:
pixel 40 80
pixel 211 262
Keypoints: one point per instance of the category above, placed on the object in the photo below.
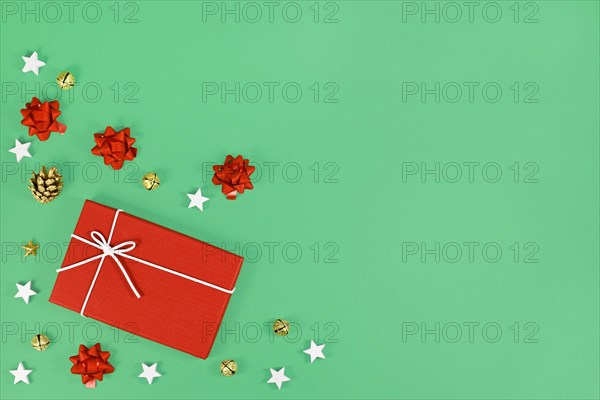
pixel 46 185
pixel 40 342
pixel 65 80
pixel 281 327
pixel 228 367
pixel 151 181
pixel 30 248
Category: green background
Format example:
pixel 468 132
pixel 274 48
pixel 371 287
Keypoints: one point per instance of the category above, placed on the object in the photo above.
pixel 342 233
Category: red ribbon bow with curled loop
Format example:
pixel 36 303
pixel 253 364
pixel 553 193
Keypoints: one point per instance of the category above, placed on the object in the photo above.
pixel 234 175
pixel 41 118
pixel 91 363
pixel 115 147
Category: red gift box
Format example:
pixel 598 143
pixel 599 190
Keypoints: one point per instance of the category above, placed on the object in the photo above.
pixel 183 284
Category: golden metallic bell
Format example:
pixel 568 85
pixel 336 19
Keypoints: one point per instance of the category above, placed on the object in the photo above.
pixel 150 181
pixel 228 367
pixel 281 327
pixel 40 342
pixel 65 80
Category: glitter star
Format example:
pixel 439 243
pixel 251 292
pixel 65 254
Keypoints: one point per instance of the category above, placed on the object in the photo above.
pixel 30 248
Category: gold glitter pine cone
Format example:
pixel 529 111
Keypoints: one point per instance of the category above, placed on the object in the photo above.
pixel 228 367
pixel 45 186
pixel 40 342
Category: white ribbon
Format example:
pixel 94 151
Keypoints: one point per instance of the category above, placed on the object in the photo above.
pixel 121 250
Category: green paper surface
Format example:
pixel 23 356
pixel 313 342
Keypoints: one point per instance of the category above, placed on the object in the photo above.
pixel 425 201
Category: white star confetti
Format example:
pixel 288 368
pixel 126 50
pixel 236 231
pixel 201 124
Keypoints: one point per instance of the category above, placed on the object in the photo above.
pixel 21 150
pixel 149 372
pixel 315 351
pixel 278 377
pixel 24 292
pixel 197 200
pixel 21 374
pixel 32 63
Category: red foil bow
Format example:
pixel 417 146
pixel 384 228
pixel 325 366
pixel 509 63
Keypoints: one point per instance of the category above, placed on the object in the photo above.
pixel 41 118
pixel 234 175
pixel 91 363
pixel 115 147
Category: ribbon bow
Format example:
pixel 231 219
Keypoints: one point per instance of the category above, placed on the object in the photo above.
pixel 107 250
pixel 91 363
pixel 121 250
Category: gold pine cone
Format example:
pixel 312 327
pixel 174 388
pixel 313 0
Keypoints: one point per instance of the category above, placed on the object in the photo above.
pixel 46 185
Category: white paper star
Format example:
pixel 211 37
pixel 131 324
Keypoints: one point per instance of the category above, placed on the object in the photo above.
pixel 32 63
pixel 21 374
pixel 25 292
pixel 197 200
pixel 278 377
pixel 315 351
pixel 21 150
pixel 149 372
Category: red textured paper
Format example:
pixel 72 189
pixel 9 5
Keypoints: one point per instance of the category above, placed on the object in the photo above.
pixel 172 310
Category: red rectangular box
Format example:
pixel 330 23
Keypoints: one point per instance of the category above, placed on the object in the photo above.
pixel 181 305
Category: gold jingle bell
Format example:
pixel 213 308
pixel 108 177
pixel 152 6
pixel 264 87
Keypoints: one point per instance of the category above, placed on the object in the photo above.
pixel 281 327
pixel 65 80
pixel 228 367
pixel 150 181
pixel 40 342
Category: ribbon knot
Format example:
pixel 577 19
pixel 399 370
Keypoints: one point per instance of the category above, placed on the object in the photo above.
pixel 109 250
